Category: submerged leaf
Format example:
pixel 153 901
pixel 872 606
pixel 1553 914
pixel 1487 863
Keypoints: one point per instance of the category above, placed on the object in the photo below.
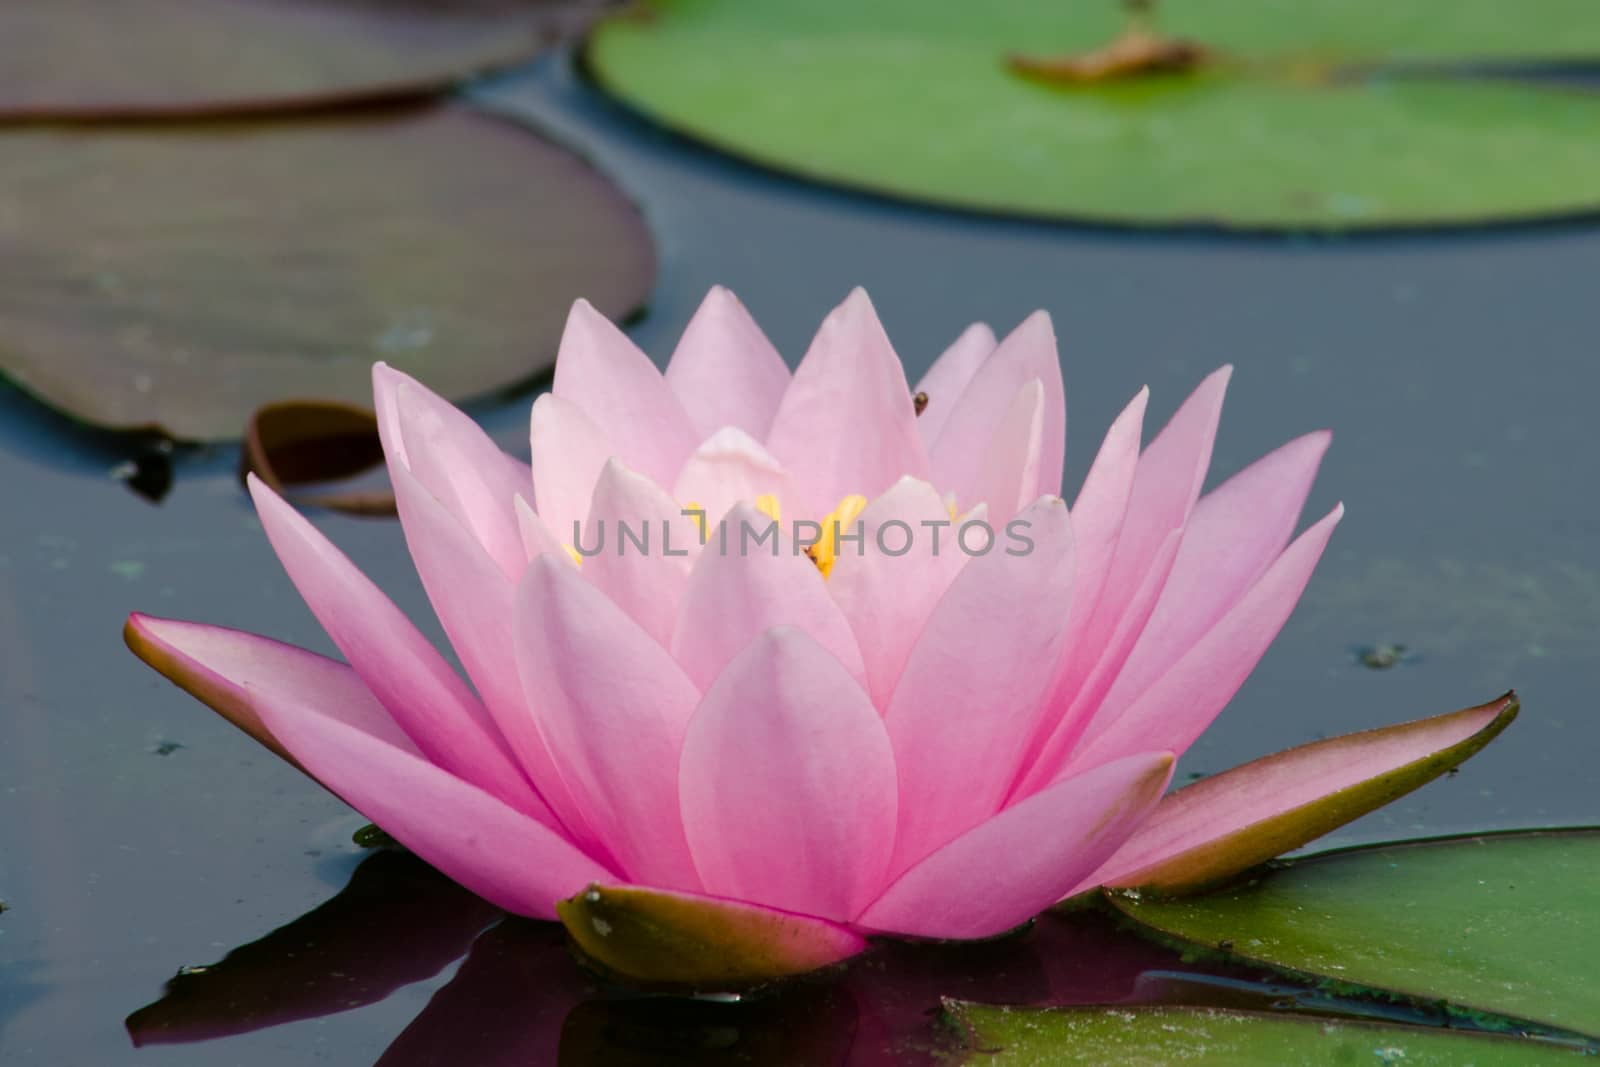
pixel 1212 830
pixel 679 939
pixel 1097 1036
pixel 181 277
pixel 112 58
pixel 1501 923
pixel 296 442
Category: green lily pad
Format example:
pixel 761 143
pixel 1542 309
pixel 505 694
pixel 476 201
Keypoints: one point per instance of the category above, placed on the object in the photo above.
pixel 912 98
pixel 1501 923
pixel 113 58
pixel 179 277
pixel 1151 1036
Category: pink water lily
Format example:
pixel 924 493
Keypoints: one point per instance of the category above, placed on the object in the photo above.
pixel 802 745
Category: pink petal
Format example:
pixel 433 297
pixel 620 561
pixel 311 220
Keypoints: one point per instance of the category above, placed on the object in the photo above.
pixel 1166 485
pixel 1097 519
pixel 407 675
pixel 730 466
pixel 1072 709
pixel 949 376
pixel 846 424
pixel 455 459
pixel 611 381
pixel 1182 703
pixel 537 538
pixel 1222 825
pixel 724 371
pixel 737 594
pixel 973 689
pixel 1009 478
pixel 569 452
pixel 472 598
pixel 503 856
pixel 1028 352
pixel 888 598
pixel 1026 858
pixel 232 671
pixel 637 546
pixel 612 707
pixel 788 782
pixel 1234 534
pixel 689 940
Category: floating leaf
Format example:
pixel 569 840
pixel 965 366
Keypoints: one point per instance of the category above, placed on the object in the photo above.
pixel 1222 825
pixel 181 277
pixel 1501 923
pixel 112 58
pixel 1094 1037
pixel 1293 126
pixel 681 939
pixel 296 442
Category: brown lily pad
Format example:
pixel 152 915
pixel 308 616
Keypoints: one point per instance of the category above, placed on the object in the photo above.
pixel 179 277
pixel 119 59
pixel 293 444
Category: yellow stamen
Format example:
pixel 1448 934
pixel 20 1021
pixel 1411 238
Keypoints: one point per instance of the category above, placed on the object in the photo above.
pixel 767 504
pixel 838 523
pixel 577 557
pixel 697 513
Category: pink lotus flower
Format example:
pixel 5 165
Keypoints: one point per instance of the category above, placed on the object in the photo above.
pixel 806 747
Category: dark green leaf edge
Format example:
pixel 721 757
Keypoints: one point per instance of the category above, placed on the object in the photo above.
pixel 1463 1016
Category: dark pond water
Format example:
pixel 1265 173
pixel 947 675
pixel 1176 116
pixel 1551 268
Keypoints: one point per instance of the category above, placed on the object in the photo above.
pixel 140 834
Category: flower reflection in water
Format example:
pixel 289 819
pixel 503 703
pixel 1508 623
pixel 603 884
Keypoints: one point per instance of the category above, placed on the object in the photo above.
pixel 521 997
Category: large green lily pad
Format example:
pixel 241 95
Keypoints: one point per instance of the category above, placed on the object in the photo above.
pixel 98 58
pixel 1147 1037
pixel 913 98
pixel 1506 923
pixel 179 277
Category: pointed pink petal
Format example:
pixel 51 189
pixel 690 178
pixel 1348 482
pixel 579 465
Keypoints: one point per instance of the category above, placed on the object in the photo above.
pixel 846 424
pixel 1235 533
pixel 788 783
pixel 949 376
pixel 1182 703
pixel 1072 709
pixel 887 598
pixel 503 856
pixel 730 466
pixel 1102 505
pixel 537 538
pixel 973 689
pixel 1166 485
pixel 1097 623
pixel 569 452
pixel 1008 481
pixel 230 671
pixel 685 939
pixel 472 598
pixel 612 707
pixel 407 675
pixel 1228 823
pixel 737 594
pixel 467 472
pixel 1028 352
pixel 1026 858
pixel 605 375
pixel 637 548
pixel 724 371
